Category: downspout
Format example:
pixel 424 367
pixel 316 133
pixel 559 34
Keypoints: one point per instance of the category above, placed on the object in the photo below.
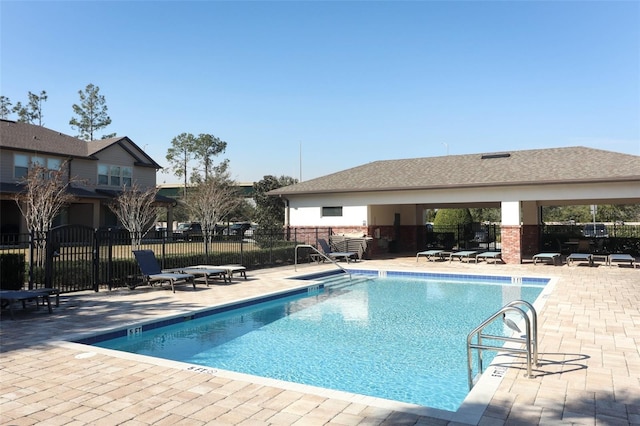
pixel 287 216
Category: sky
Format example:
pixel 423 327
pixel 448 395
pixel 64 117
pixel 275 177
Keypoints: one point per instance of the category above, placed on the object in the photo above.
pixel 309 88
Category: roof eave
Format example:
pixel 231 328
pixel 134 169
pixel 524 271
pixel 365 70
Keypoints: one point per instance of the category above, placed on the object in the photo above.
pixel 459 186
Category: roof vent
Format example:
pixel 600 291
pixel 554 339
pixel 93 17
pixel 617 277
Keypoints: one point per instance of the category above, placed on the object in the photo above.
pixel 495 155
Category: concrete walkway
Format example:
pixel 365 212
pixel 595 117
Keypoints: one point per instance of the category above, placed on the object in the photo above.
pixel 589 350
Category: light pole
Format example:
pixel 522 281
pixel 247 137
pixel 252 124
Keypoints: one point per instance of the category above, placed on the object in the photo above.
pixel 447 146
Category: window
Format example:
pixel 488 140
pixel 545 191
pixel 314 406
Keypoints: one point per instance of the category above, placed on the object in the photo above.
pixel 126 176
pixel 103 174
pixel 114 175
pixel 20 165
pixel 22 162
pixel 332 211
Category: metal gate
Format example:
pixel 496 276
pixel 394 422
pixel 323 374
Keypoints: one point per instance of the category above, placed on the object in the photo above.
pixel 71 258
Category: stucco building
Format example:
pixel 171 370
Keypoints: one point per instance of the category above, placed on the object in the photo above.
pixel 387 199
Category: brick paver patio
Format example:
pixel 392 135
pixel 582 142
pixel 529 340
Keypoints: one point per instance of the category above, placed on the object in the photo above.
pixel 589 351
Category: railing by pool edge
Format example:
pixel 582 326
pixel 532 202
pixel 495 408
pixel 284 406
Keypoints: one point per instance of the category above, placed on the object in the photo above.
pixel 320 254
pixel 530 339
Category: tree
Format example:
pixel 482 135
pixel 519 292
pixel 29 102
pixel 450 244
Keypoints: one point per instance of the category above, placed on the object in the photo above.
pixel 91 114
pixel 179 155
pixel 206 147
pixel 5 107
pixel 136 210
pixel 486 214
pixel 449 220
pixel 270 210
pixel 45 194
pixel 32 112
pixel 211 202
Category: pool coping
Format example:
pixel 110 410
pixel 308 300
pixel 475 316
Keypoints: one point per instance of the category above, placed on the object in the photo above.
pixel 470 410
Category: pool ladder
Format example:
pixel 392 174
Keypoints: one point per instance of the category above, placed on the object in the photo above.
pixel 530 338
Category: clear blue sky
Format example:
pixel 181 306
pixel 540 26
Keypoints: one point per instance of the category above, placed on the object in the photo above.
pixel 338 84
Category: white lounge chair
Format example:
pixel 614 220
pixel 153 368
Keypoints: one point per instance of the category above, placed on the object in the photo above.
pixel 230 269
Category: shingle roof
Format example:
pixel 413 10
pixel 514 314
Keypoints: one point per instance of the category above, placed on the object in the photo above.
pixel 539 166
pixel 29 137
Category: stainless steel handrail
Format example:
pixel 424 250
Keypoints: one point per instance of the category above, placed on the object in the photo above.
pixel 320 253
pixel 530 339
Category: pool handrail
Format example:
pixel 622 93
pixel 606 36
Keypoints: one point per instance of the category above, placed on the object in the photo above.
pixel 321 254
pixel 530 339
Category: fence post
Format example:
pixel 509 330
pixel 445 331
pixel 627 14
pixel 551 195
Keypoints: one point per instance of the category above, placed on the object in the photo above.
pixel 96 263
pixel 31 243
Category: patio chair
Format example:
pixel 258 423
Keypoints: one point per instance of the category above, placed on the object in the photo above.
pixel 465 254
pixel 431 255
pixel 554 257
pixel 495 255
pixel 8 297
pixel 580 257
pixel 334 255
pixel 152 273
pixel 229 269
pixel 621 257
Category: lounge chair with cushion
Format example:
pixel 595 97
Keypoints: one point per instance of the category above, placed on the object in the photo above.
pixel 621 257
pixel 495 255
pixel 432 254
pixel 554 257
pixel 152 273
pixel 334 255
pixel 580 257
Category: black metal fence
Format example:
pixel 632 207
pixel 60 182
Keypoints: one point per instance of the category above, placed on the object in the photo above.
pixel 463 236
pixel 614 238
pixel 74 258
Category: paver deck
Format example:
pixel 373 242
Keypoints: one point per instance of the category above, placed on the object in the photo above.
pixel 589 340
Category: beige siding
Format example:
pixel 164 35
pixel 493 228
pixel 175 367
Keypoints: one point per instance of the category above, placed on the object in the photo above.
pixel 6 165
pixel 85 170
pixel 144 176
pixel 115 155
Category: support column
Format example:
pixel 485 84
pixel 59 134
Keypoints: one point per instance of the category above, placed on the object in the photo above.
pixel 530 242
pixel 510 232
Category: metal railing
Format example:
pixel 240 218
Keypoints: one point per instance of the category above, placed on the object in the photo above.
pixel 319 253
pixel 530 339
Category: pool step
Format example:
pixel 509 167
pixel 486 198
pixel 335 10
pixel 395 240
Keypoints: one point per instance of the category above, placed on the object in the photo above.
pixel 343 279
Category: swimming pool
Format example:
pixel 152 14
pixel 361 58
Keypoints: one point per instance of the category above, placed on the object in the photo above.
pixel 397 338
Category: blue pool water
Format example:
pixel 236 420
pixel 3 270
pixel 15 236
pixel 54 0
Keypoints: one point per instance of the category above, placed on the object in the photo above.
pixel 396 338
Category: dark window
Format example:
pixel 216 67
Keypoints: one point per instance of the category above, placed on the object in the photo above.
pixel 332 211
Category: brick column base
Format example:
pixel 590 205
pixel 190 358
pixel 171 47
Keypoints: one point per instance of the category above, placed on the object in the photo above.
pixel 511 243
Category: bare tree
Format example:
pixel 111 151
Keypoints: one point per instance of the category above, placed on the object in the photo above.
pixel 136 210
pixel 45 194
pixel 212 201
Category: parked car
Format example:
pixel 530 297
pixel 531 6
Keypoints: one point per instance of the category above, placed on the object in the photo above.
pixel 188 231
pixel 239 228
pixel 595 230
